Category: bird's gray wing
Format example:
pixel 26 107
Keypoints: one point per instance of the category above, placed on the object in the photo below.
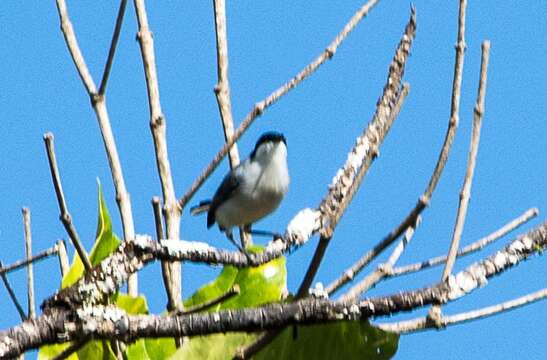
pixel 224 192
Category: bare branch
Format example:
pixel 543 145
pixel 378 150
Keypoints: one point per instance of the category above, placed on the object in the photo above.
pixel 113 44
pixel 222 88
pixel 74 48
pixel 475 246
pixel 423 200
pixel 171 210
pixel 259 107
pixel 22 263
pixel 222 92
pixel 63 258
pixel 107 322
pixel 30 273
pixel 65 217
pixel 233 291
pixel 12 295
pixel 98 103
pixel 474 146
pixel 422 323
pixel 383 269
pixel 171 297
pixel 348 179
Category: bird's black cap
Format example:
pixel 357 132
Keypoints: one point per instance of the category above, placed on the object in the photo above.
pixel 270 136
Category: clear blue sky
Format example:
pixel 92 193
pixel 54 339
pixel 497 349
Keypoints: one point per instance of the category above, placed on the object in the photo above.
pixel 40 91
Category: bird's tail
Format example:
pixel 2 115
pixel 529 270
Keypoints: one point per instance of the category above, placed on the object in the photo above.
pixel 200 208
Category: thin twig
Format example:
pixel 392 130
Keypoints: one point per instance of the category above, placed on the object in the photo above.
pixel 171 209
pixel 98 102
pixel 74 48
pixel 64 265
pixel 474 146
pixel 222 88
pixel 475 246
pixel 259 107
pixel 435 314
pixel 12 295
pixel 30 272
pixel 165 269
pixel 233 291
pixel 22 263
pixel 222 92
pixel 422 323
pixel 383 270
pixel 65 217
pixel 113 44
pixel 424 200
pixel 156 205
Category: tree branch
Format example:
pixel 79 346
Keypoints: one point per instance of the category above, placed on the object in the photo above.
pixel 423 201
pixel 475 246
pixel 12 295
pixel 28 253
pixel 222 92
pixel 98 102
pixel 473 149
pixel 65 217
pixel 63 257
pixel 113 44
pixel 259 107
pixel 22 263
pixel 75 322
pixel 171 210
pixel 422 323
pixel 383 270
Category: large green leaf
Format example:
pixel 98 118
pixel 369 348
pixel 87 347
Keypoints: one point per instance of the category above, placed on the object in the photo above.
pixel 259 285
pixel 48 352
pixel 97 349
pixel 340 340
pixel 105 243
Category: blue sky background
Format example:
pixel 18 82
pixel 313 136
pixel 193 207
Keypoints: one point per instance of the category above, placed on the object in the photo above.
pixel 40 91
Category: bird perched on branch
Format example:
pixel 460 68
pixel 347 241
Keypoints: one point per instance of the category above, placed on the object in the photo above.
pixel 252 190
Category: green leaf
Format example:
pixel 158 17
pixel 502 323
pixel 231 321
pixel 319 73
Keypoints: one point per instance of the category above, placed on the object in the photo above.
pixel 131 305
pixel 213 347
pixel 137 351
pixel 105 243
pixel 340 340
pixel 48 352
pixel 160 348
pixel 259 285
pixel 97 349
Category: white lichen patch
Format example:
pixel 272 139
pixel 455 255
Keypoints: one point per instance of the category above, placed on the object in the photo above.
pixel 91 316
pixel 318 291
pixel 303 225
pixel 142 241
pixel 180 247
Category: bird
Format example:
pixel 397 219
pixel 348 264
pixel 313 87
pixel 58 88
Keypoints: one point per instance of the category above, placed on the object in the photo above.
pixel 251 190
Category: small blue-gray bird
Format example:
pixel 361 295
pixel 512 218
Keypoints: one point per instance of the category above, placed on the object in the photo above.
pixel 252 190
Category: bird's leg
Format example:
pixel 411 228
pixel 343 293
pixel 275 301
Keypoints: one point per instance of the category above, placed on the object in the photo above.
pixel 274 235
pixel 230 237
